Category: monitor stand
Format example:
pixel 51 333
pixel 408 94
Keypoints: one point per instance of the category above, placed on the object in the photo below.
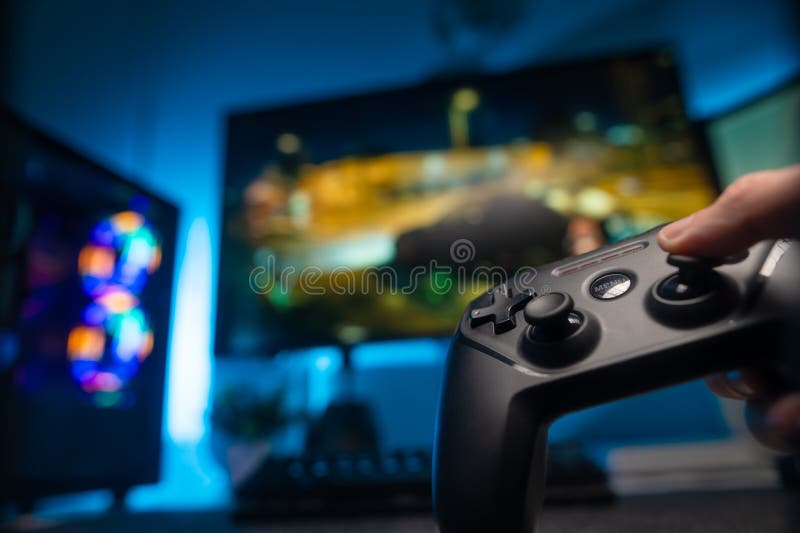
pixel 347 385
pixel 347 425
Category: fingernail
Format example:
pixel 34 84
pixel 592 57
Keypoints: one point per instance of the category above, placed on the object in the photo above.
pixel 674 231
pixel 736 381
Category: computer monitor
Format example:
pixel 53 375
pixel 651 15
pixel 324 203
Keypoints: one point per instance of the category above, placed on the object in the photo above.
pixel 86 267
pixel 760 134
pixel 379 216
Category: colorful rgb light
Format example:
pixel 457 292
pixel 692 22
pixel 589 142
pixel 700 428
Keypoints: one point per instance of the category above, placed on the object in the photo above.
pixel 105 351
pixel 123 251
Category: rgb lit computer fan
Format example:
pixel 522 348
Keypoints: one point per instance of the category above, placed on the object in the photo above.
pixel 114 336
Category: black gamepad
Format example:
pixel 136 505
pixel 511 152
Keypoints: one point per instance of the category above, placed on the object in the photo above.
pixel 622 320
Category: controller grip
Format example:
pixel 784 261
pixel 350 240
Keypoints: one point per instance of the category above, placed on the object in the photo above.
pixel 490 447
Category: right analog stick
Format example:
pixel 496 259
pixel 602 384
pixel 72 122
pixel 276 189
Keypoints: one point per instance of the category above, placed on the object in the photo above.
pixel 695 295
pixel 695 277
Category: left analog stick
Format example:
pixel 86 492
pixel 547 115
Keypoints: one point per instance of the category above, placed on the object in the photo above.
pixel 558 335
pixel 551 317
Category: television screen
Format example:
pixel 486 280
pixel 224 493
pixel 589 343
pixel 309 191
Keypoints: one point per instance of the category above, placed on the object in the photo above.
pixel 86 262
pixel 760 134
pixel 380 216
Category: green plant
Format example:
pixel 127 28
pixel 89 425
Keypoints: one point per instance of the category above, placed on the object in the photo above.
pixel 246 413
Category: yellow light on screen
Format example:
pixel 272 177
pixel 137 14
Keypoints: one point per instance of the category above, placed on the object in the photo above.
pixel 533 159
pixel 86 343
pixel 466 100
pixel 288 143
pixel 560 200
pixel 594 203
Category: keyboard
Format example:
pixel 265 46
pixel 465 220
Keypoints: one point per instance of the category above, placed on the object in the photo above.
pixel 394 482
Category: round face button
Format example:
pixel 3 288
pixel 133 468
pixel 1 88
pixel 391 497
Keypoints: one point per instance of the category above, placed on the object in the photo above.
pixel 610 286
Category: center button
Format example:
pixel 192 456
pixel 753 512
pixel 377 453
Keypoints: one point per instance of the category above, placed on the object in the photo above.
pixel 610 286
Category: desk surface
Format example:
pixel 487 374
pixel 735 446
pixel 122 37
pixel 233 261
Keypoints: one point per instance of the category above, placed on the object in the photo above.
pixel 751 511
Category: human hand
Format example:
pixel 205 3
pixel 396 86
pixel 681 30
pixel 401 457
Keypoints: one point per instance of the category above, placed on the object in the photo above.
pixel 757 206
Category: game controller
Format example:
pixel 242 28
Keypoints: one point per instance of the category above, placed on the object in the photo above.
pixel 619 321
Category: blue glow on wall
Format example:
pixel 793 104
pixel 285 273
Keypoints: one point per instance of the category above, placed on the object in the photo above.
pixel 414 352
pixel 189 367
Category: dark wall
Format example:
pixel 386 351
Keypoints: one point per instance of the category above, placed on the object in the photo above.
pixel 5 47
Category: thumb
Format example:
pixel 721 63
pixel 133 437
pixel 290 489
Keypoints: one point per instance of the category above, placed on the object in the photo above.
pixel 757 206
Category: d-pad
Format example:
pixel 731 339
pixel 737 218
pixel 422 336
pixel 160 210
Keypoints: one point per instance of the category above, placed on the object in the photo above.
pixel 500 312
